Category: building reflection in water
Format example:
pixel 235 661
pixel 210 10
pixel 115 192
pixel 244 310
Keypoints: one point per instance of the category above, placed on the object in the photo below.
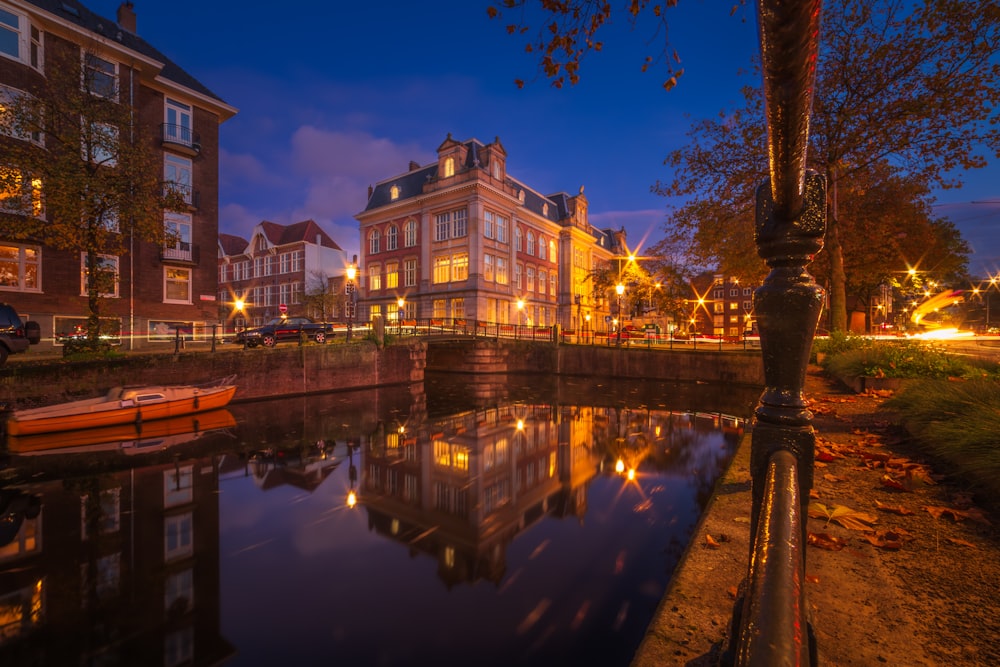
pixel 222 548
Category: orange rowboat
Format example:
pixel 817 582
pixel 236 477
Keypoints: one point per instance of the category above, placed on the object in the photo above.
pixel 121 405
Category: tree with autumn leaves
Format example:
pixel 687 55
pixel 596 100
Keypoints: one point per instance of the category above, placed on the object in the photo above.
pixel 906 95
pixel 77 174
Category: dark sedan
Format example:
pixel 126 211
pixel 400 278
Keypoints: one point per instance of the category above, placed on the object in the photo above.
pixel 285 328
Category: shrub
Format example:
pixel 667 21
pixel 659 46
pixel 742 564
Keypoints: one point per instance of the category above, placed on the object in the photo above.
pixel 902 359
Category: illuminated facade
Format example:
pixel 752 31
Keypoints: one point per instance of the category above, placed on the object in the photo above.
pixel 460 240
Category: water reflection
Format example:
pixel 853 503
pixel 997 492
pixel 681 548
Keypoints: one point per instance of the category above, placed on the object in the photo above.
pixel 497 531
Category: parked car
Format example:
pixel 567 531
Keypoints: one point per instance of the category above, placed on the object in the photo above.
pixel 285 328
pixel 15 334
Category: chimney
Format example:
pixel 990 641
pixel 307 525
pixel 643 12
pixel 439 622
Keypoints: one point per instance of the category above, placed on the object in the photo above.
pixel 126 16
pixel 414 166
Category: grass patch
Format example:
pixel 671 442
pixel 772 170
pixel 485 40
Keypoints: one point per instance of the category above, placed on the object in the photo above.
pixel 957 423
pixel 855 356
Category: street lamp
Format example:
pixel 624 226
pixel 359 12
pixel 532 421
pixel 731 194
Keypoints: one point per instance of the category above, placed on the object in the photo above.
pixel 351 290
pixel 620 289
pixel 400 302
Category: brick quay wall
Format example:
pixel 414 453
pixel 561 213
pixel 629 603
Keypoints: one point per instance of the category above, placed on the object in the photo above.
pixel 742 367
pixel 289 370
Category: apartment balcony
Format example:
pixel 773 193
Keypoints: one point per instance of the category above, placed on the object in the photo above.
pixel 181 252
pixel 181 139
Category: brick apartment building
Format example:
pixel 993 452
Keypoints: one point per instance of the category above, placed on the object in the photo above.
pixel 720 306
pixel 275 272
pixel 460 239
pixel 158 291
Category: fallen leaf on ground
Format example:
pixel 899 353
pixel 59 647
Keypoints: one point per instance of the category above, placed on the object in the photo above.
pixel 825 541
pixel 890 482
pixel 812 579
pixel 957 516
pixel 845 516
pixel 889 539
pixel 832 478
pixel 962 543
pixel 710 542
pixel 902 511
pixel 733 592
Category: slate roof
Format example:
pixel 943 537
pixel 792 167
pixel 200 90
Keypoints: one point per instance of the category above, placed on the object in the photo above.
pixel 232 244
pixel 307 230
pixel 75 12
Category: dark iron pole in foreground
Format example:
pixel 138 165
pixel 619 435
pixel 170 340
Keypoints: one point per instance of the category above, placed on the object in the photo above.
pixel 772 619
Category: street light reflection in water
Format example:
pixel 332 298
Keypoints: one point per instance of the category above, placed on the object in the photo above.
pixel 490 526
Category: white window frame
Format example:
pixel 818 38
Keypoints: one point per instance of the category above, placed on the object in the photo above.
pixel 410 233
pixel 106 259
pixel 9 96
pixel 181 226
pixel 392 238
pixel 178 122
pixel 99 153
pixel 28 256
pixel 178 536
pixel 409 273
pixel 178 175
pixel 29 37
pixel 170 276
pixel 89 63
pixel 374 242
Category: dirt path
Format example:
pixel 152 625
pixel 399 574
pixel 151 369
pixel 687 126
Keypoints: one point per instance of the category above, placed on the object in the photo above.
pixel 899 584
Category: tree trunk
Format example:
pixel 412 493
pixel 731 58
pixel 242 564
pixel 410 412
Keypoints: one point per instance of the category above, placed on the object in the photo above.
pixel 838 280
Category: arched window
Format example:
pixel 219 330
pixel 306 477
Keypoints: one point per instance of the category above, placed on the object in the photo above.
pixel 374 241
pixel 391 238
pixel 531 243
pixel 394 193
pixel 449 167
pixel 519 239
pixel 541 247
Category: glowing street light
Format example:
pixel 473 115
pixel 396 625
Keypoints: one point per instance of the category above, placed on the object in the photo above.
pixel 351 290
pixel 400 302
pixel 620 289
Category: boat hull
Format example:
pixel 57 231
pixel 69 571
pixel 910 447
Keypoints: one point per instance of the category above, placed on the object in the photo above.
pixel 128 438
pixel 96 413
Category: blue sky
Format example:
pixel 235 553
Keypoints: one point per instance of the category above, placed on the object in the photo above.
pixel 335 96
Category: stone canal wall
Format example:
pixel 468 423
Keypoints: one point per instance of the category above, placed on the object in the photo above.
pixel 290 370
pixel 681 365
pixel 285 370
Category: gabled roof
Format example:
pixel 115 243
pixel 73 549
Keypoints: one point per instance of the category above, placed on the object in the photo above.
pixel 230 244
pixel 74 12
pixel 307 231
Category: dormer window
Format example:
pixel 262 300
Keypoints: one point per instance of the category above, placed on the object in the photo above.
pixel 545 210
pixel 520 196
pixel 394 193
pixel 449 167
pixel 496 169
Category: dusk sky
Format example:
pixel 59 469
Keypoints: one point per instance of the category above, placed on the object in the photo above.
pixel 336 96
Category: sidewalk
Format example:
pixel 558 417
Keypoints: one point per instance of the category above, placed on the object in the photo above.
pixel 914 583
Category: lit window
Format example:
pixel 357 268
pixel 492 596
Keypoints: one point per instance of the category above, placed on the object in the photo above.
pixel 460 266
pixel 375 277
pixel 20 194
pixel 100 76
pixel 442 269
pixel 449 167
pixel 501 273
pixel 392 275
pixel 20 267
pixel 105 275
pixel 176 285
pixel 394 193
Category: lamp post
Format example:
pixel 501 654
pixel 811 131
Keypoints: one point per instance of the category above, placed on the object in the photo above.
pixel 400 302
pixel 350 289
pixel 520 314
pixel 239 305
pixel 620 289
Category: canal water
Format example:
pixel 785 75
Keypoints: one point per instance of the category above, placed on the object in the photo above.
pixel 460 521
